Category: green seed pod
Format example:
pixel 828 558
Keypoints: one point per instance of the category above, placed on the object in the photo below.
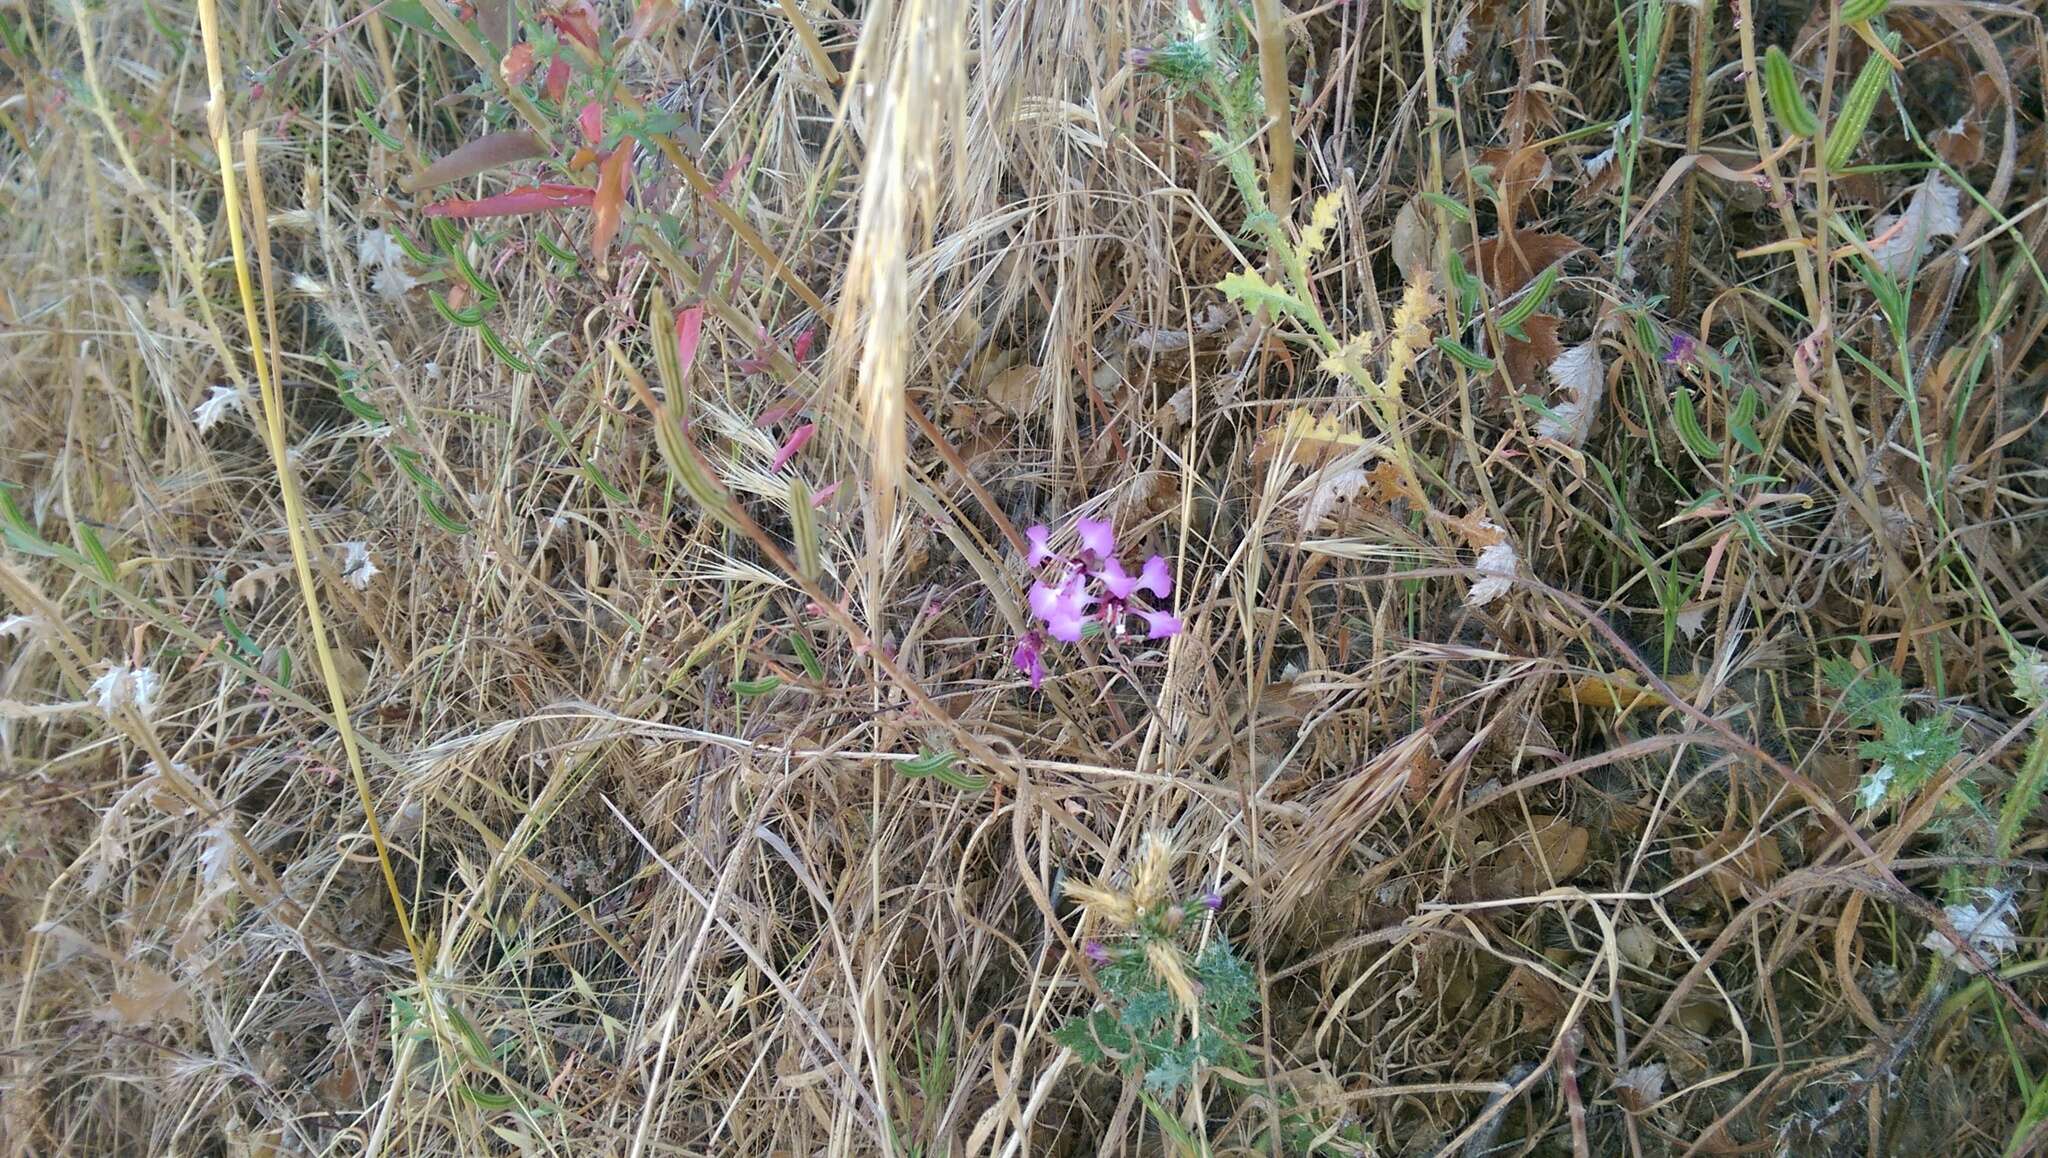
pixel 1858 11
pixel 1854 118
pixel 1794 115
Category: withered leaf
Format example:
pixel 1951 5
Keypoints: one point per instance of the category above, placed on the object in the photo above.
pixel 1310 440
pixel 1509 259
pixel 1527 361
pixel 147 997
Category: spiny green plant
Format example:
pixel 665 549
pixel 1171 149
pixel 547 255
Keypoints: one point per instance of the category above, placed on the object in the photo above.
pixel 1906 753
pixel 1167 1014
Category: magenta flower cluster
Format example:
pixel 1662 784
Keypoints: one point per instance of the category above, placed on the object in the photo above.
pixel 1091 585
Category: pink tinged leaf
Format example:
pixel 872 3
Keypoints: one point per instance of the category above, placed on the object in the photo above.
pixel 488 152
pixel 556 84
pixel 1097 537
pixel 516 202
pixel 518 64
pixel 689 331
pixel 775 414
pixel 1156 577
pixel 611 199
pixel 1116 581
pixel 731 174
pixel 797 439
pixel 800 349
pixel 824 496
pixel 1039 551
pixel 591 121
pixel 1160 624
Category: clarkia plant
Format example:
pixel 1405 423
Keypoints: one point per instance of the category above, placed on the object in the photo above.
pixel 1088 587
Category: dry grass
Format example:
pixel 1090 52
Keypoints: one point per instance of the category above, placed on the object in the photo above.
pixel 1497 725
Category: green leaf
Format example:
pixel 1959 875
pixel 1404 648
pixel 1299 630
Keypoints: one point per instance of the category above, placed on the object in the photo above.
pixel 95 551
pixel 1252 291
pixel 468 319
pixel 1470 359
pixel 1742 424
pixel 441 518
pixel 1450 205
pixel 750 688
pixel 1687 420
pixel 1781 85
pixel 808 658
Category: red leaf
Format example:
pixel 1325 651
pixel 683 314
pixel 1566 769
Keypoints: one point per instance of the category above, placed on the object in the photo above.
pixel 577 19
pixel 801 347
pixel 797 439
pixel 557 81
pixel 611 199
pixel 689 331
pixel 591 121
pixel 653 17
pixel 516 202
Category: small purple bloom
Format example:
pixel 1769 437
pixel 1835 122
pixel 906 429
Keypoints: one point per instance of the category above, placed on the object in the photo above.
pixel 1683 351
pixel 1097 537
pixel 1156 577
pixel 1095 952
pixel 1039 551
pixel 1115 581
pixel 1160 624
pixel 1027 661
pixel 1063 608
pixel 1212 900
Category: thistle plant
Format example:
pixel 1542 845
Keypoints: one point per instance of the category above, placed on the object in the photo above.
pixel 1167 1012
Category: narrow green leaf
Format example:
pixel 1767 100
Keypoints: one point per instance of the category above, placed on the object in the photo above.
pixel 808 658
pixel 1687 420
pixel 95 551
pixel 441 518
pixel 1742 423
pixel 1470 359
pixel 1850 123
pixel 748 689
pixel 1781 85
pixel 468 319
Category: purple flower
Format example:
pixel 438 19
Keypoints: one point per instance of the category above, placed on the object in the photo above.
pixel 1115 581
pixel 1026 658
pixel 1212 900
pixel 1097 537
pixel 1095 952
pixel 1684 349
pixel 1039 552
pixel 1156 577
pixel 1063 608
pixel 1160 624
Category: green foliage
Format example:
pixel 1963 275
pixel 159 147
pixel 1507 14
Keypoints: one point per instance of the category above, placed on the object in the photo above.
pixel 1142 1028
pixel 1906 753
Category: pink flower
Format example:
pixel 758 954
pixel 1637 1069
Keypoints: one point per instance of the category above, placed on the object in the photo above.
pixel 1116 581
pixel 1160 624
pixel 1097 537
pixel 1026 659
pixel 1039 551
pixel 1095 952
pixel 1156 577
pixel 1063 608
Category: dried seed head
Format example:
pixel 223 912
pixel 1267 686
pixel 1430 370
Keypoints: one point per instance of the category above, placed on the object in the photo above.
pixel 1104 904
pixel 1172 972
pixel 1148 883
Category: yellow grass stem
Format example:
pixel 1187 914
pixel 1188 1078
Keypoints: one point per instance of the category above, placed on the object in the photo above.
pixel 271 416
